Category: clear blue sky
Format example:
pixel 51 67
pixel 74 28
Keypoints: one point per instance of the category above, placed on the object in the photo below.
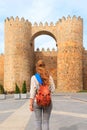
pixel 42 11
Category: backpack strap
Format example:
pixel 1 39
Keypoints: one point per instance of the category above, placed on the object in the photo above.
pixel 38 77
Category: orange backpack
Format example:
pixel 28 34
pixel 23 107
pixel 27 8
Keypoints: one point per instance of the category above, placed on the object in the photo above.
pixel 43 96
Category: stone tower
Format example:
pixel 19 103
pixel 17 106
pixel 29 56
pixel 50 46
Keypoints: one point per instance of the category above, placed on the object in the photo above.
pixel 69 58
pixel 18 53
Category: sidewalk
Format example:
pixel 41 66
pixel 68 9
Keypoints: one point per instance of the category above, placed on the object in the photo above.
pixel 18 120
pixel 69 113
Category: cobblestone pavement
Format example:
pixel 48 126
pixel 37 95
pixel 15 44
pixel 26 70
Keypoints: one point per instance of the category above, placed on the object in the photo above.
pixel 69 113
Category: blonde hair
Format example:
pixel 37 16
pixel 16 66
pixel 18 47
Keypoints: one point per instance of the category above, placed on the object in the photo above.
pixel 41 69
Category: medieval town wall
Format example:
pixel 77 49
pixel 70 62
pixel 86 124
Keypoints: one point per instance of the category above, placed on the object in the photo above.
pixel 67 65
pixel 85 69
pixel 50 64
pixel 50 59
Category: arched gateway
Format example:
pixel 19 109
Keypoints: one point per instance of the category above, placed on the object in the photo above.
pixel 66 62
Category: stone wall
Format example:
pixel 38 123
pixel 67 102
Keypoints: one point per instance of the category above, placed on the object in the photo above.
pixel 50 58
pixel 67 65
pixel 85 69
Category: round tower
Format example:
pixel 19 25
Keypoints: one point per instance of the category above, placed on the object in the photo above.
pixel 18 53
pixel 69 58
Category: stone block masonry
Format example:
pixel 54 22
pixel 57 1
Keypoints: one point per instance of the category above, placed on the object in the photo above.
pixel 67 65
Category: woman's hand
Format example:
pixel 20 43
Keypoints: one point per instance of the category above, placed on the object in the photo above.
pixel 31 108
pixel 31 104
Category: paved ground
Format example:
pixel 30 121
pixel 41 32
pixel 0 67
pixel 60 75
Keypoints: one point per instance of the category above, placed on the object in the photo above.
pixel 69 113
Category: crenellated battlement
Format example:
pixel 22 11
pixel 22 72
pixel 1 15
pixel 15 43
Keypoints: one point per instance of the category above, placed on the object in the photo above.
pixel 46 50
pixel 22 20
pixel 63 19
pixel 69 18
pixel 66 19
pixel 43 24
pixel 17 20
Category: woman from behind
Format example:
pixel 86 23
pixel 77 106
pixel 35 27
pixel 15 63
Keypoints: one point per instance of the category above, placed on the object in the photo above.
pixel 42 114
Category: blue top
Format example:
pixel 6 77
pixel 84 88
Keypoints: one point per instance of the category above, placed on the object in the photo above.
pixel 38 77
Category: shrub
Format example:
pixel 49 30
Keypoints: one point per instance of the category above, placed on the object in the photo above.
pixel 1 89
pixel 24 89
pixel 17 90
pixel 83 91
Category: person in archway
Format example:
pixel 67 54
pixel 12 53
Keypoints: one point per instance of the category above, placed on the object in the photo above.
pixel 42 114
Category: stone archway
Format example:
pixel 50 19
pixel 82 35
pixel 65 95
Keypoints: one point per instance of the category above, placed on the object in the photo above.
pixel 49 56
pixel 34 35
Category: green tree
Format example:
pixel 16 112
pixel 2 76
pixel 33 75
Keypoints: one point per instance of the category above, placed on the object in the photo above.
pixel 24 89
pixel 17 90
pixel 1 89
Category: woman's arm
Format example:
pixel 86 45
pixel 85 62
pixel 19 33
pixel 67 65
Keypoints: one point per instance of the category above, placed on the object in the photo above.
pixel 52 85
pixel 31 104
pixel 32 92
